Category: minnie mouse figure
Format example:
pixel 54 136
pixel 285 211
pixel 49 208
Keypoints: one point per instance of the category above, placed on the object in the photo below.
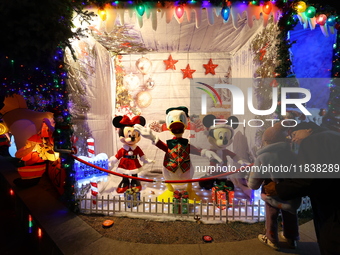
pixel 129 153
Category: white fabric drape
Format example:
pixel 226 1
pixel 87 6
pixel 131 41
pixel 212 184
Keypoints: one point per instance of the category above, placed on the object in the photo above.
pixel 89 86
pixel 243 76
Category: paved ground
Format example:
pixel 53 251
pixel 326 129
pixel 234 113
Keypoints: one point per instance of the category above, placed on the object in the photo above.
pixel 14 240
pixel 65 233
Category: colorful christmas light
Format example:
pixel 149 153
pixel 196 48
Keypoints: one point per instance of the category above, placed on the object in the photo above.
pixel 225 12
pixel 321 19
pixel 102 14
pixel 331 20
pixel 300 6
pixel 140 8
pixel 179 10
pixel 310 12
pixel 267 7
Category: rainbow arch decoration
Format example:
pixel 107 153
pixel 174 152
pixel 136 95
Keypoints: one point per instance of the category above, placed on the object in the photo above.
pixel 211 92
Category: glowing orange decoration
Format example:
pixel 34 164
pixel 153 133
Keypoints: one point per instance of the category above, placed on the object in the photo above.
pixel 39 232
pixel 267 7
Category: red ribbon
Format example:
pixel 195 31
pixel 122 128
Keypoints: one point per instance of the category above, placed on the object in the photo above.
pixel 181 194
pixel 130 122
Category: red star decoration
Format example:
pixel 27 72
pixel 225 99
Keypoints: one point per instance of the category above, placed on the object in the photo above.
pixel 187 72
pixel 170 63
pixel 210 67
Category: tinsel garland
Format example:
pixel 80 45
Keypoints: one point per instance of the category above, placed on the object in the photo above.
pixel 121 40
pixel 264 49
pixel 124 100
pixel 78 74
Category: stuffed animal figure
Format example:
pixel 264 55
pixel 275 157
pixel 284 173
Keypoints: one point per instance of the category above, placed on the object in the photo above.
pixel 129 153
pixel 177 150
pixel 220 136
pixel 32 133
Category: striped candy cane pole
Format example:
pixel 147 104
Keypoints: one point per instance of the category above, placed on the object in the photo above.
pixel 90 147
pixel 94 192
pixel 91 154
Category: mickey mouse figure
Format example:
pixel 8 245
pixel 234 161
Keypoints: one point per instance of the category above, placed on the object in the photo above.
pixel 129 153
pixel 220 137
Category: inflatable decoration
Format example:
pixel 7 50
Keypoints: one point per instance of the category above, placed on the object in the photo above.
pixel 32 132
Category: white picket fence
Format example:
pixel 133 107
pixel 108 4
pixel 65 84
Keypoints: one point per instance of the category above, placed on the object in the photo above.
pixel 209 212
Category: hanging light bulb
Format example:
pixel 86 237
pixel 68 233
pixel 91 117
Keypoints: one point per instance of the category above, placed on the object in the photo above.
pixel 179 10
pixel 140 9
pixel 300 6
pixel 331 20
pixel 225 13
pixel 321 19
pixel 310 12
pixel 267 7
pixel 102 14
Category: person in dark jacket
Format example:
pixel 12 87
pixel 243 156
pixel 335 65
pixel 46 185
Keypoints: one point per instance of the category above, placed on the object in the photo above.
pixel 318 157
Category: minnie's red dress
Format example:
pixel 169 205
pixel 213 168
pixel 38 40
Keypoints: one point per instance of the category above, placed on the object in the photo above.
pixel 128 159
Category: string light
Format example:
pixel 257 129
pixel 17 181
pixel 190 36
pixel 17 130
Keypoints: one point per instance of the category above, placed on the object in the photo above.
pixel 267 7
pixel 331 20
pixel 39 232
pixel 321 19
pixel 225 13
pixel 300 6
pixel 30 224
pixel 102 14
pixel 179 10
pixel 310 12
pixel 140 9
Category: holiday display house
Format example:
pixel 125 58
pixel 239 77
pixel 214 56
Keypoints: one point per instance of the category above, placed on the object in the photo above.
pixel 151 110
pixel 140 62
pixel 141 59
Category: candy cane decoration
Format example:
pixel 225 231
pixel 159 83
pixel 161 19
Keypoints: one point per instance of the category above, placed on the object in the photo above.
pixel 91 154
pixel 90 147
pixel 94 192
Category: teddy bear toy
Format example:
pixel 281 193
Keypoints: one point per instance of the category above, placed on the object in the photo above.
pixel 128 155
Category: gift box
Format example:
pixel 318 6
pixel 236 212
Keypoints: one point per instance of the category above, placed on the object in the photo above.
pixel 222 195
pixel 180 202
pixel 132 197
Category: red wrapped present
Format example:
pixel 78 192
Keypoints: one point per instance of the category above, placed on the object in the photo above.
pixel 222 195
